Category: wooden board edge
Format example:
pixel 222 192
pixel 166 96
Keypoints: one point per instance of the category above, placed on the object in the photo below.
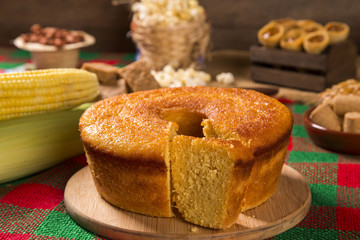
pixel 255 233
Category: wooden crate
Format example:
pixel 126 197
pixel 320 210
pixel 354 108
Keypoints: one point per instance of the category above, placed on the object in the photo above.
pixel 301 70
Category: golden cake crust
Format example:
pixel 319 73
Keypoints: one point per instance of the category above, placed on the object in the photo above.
pixel 132 130
pixel 251 117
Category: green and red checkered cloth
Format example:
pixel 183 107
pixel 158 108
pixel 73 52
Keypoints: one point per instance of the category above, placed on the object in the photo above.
pixel 33 207
pixel 13 60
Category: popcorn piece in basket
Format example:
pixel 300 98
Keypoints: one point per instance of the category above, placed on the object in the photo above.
pixel 167 12
pixel 169 77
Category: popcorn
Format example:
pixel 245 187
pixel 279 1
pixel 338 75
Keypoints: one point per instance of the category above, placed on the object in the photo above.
pixel 225 78
pixel 167 12
pixel 169 77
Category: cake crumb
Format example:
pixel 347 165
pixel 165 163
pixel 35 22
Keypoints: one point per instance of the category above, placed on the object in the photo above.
pixel 194 229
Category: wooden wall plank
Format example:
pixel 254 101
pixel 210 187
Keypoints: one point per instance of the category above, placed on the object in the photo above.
pixel 234 23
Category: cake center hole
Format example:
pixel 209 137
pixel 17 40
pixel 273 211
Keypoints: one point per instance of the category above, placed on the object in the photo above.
pixel 189 122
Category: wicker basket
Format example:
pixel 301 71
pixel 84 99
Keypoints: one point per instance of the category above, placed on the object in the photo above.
pixel 180 46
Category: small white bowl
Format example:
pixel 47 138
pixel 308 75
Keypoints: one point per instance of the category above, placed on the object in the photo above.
pixel 48 56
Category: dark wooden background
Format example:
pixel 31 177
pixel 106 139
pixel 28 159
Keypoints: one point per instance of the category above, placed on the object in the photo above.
pixel 234 22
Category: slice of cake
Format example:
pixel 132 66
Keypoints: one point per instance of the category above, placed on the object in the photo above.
pixel 209 177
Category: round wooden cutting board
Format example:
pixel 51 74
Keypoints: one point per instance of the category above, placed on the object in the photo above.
pixel 287 207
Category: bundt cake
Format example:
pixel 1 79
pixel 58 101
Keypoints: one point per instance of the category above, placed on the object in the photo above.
pixel 210 152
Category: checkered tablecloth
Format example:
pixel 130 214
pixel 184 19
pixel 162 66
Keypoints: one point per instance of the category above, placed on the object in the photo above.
pixel 17 60
pixel 33 207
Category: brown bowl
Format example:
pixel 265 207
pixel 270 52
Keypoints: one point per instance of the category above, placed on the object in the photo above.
pixel 337 141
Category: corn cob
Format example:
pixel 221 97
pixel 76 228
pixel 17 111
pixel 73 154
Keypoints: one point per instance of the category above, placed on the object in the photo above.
pixel 33 143
pixel 39 91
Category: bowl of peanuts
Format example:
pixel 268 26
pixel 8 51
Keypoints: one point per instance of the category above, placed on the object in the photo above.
pixel 53 47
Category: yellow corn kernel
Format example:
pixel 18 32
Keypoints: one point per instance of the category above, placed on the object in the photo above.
pixel 39 91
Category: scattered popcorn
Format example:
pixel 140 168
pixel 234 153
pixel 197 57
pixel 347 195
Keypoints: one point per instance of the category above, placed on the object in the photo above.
pixel 169 77
pixel 167 12
pixel 225 78
pixel 194 229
